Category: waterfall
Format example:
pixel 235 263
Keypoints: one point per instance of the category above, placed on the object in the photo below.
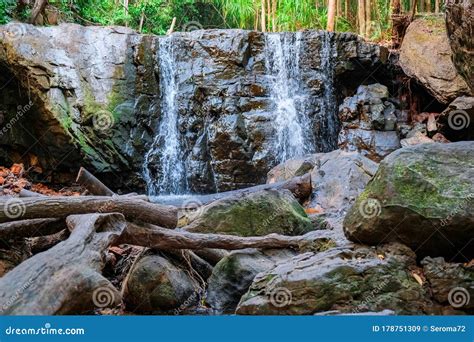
pixel 166 153
pixel 292 125
pixel 328 102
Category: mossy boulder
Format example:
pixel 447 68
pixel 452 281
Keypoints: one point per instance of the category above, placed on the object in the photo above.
pixel 252 214
pixel 157 284
pixel 346 280
pixel 421 196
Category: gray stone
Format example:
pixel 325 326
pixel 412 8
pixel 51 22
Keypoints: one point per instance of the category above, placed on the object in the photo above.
pixel 420 196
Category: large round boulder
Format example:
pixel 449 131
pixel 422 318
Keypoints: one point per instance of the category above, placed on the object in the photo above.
pixel 425 54
pixel 252 214
pixel 421 196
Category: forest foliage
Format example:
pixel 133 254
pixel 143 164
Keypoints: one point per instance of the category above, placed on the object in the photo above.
pixel 370 18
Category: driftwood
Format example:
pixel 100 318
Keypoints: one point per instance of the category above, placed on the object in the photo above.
pixel 28 193
pixel 300 187
pixel 60 207
pixel 166 239
pixel 65 279
pixel 30 228
pixel 92 184
pixel 42 243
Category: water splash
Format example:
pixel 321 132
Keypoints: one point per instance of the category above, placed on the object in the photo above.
pixel 164 169
pixel 293 127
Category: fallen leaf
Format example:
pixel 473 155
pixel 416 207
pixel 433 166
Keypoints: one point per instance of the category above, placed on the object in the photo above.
pixel 417 278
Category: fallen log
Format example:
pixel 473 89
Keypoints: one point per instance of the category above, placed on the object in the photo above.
pixel 166 239
pixel 42 243
pixel 61 207
pixel 92 184
pixel 65 279
pixel 300 187
pixel 30 228
pixel 28 193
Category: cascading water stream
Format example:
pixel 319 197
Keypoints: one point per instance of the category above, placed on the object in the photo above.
pixel 303 122
pixel 293 127
pixel 167 145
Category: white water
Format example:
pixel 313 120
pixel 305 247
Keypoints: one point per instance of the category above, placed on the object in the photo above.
pixel 293 127
pixel 172 177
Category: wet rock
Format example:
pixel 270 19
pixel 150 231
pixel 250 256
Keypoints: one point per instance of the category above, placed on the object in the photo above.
pixel 459 23
pixel 225 113
pixel 416 139
pixel 369 123
pixel 349 281
pixel 291 168
pixel 252 214
pixel 451 283
pixel 425 54
pixel 375 145
pixel 157 284
pixel 233 275
pixel 421 196
pixel 457 121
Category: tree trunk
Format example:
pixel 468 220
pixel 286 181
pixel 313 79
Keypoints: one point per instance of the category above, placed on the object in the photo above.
pixel 263 13
pixel 30 228
pixel 65 279
pixel 60 207
pixel 331 15
pixel 166 239
pixel 300 187
pixel 92 184
pixel 436 6
pixel 368 17
pixel 361 17
pixel 38 8
pixel 428 6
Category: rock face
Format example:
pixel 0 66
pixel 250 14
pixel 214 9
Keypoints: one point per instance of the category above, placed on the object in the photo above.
pixel 425 54
pixel 156 284
pixel 109 110
pixel 350 281
pixel 460 24
pixel 451 283
pixel 254 214
pixel 421 196
pixel 369 122
pixel 233 275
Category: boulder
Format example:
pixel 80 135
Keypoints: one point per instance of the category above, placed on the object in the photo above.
pixel 375 145
pixel 421 196
pixel 425 55
pixel 460 23
pixel 457 121
pixel 451 283
pixel 156 284
pixel 252 214
pixel 349 281
pixel 369 122
pixel 233 275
